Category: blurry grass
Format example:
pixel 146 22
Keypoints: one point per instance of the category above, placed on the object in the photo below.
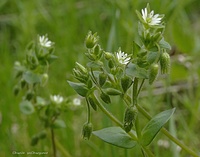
pixel 67 23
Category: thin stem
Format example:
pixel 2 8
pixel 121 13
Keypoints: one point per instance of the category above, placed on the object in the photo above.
pixel 64 152
pixel 135 91
pixel 88 111
pixel 149 153
pixel 112 117
pixel 53 142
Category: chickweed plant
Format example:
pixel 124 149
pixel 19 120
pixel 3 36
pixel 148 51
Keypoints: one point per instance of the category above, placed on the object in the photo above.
pixel 106 75
pixel 123 75
pixel 32 76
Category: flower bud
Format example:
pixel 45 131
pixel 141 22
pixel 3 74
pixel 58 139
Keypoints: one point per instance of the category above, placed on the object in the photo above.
pixel 110 64
pixel 29 95
pixel 126 83
pixel 153 72
pixel 108 55
pixel 87 131
pixel 105 98
pixel 92 103
pixel 102 79
pixel 42 134
pixel 129 118
pixel 81 68
pixel 97 50
pixel 91 39
pixel 34 140
pixel 165 63
pixel 16 90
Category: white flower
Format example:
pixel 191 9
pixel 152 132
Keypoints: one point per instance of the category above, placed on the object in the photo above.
pixel 150 18
pixel 123 57
pixel 76 101
pixel 44 41
pixel 56 99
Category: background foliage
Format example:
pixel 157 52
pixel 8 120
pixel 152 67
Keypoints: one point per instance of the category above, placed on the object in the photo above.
pixel 67 23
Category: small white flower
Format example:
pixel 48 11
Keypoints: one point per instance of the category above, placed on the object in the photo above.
pixel 76 101
pixel 123 58
pixel 56 99
pixel 150 18
pixel 44 41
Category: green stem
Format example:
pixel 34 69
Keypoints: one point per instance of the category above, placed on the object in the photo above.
pixel 111 116
pixel 88 111
pixel 53 142
pixel 149 153
pixel 135 91
pixel 62 149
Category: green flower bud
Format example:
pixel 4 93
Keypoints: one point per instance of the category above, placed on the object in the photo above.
pixel 105 98
pixel 102 79
pixel 126 83
pixel 97 50
pixel 165 63
pixel 91 40
pixel 110 64
pixel 34 140
pixel 129 118
pixel 108 55
pixel 23 83
pixel 29 95
pixel 42 134
pixel 87 131
pixel 153 72
pixel 16 90
pixel 81 68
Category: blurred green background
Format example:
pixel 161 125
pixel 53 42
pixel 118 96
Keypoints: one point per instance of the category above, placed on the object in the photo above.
pixel 67 22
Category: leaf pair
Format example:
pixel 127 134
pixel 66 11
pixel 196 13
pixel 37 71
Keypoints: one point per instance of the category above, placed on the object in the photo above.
pixel 118 137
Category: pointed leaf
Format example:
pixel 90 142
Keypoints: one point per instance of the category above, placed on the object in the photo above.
pixel 80 88
pixel 115 136
pixel 154 125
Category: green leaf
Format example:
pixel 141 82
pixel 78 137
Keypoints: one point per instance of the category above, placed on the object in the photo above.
pixel 112 91
pixel 80 88
pixel 154 125
pixel 58 123
pixel 26 107
pixel 115 136
pixel 164 44
pixel 31 77
pixel 152 57
pixel 135 71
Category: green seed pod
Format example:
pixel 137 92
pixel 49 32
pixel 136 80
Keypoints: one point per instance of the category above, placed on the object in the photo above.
pixel 92 103
pixel 153 72
pixel 126 83
pixel 105 98
pixel 129 118
pixel 87 131
pixel 34 140
pixel 102 79
pixel 23 83
pixel 165 63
